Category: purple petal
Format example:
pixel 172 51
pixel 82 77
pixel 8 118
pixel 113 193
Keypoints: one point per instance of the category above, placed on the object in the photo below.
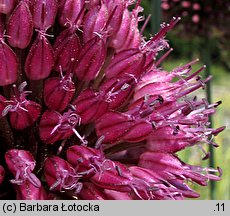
pixel 20 26
pixel 40 59
pixel 44 13
pixel 8 65
pixel 91 59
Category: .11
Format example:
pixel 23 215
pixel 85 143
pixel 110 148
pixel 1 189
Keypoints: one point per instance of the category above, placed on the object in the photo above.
pixel 220 206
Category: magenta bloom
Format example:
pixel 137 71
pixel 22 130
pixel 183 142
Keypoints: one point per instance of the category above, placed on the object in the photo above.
pixel 87 113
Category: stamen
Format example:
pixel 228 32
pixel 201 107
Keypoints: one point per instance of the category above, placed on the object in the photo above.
pixel 6 110
pixel 23 109
pixel 61 72
pixel 154 125
pixel 145 24
pixel 220 171
pixel 73 107
pixel 163 57
pixel 55 184
pixel 99 142
pixel 182 70
pixel 55 128
pixel 118 170
pixel 195 74
pixel 33 179
pixel 4 35
pixel 108 167
pixel 125 86
pixel 43 34
pixel 136 192
pixel 218 130
pixel 217 103
pixel 17 182
pixel 78 187
pixel 22 86
pixel 159 100
pixel 98 34
pixel 166 28
pixel 194 87
pixel 84 142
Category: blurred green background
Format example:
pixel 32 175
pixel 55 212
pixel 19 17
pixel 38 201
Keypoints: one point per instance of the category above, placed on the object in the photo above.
pixel 202 33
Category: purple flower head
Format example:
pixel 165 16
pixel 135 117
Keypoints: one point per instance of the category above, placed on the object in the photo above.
pixel 99 118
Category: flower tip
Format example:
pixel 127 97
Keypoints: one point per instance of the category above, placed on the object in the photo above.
pixel 220 171
pixel 206 156
pixel 196 60
pixel 218 103
pixel 218 130
pixel 177 18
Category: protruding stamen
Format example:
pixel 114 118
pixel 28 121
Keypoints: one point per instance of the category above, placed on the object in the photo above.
pixel 6 110
pixel 163 57
pixel 217 103
pixel 218 130
pixel 154 125
pixel 195 74
pixel 84 142
pixel 166 28
pixel 55 184
pixel 22 86
pixel 99 142
pixel 220 171
pixel 194 87
pixel 42 33
pixel 145 24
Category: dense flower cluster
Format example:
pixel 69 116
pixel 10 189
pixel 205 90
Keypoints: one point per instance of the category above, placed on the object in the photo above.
pixel 86 111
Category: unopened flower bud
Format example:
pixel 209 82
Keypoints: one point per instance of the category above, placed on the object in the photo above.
pixel 20 26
